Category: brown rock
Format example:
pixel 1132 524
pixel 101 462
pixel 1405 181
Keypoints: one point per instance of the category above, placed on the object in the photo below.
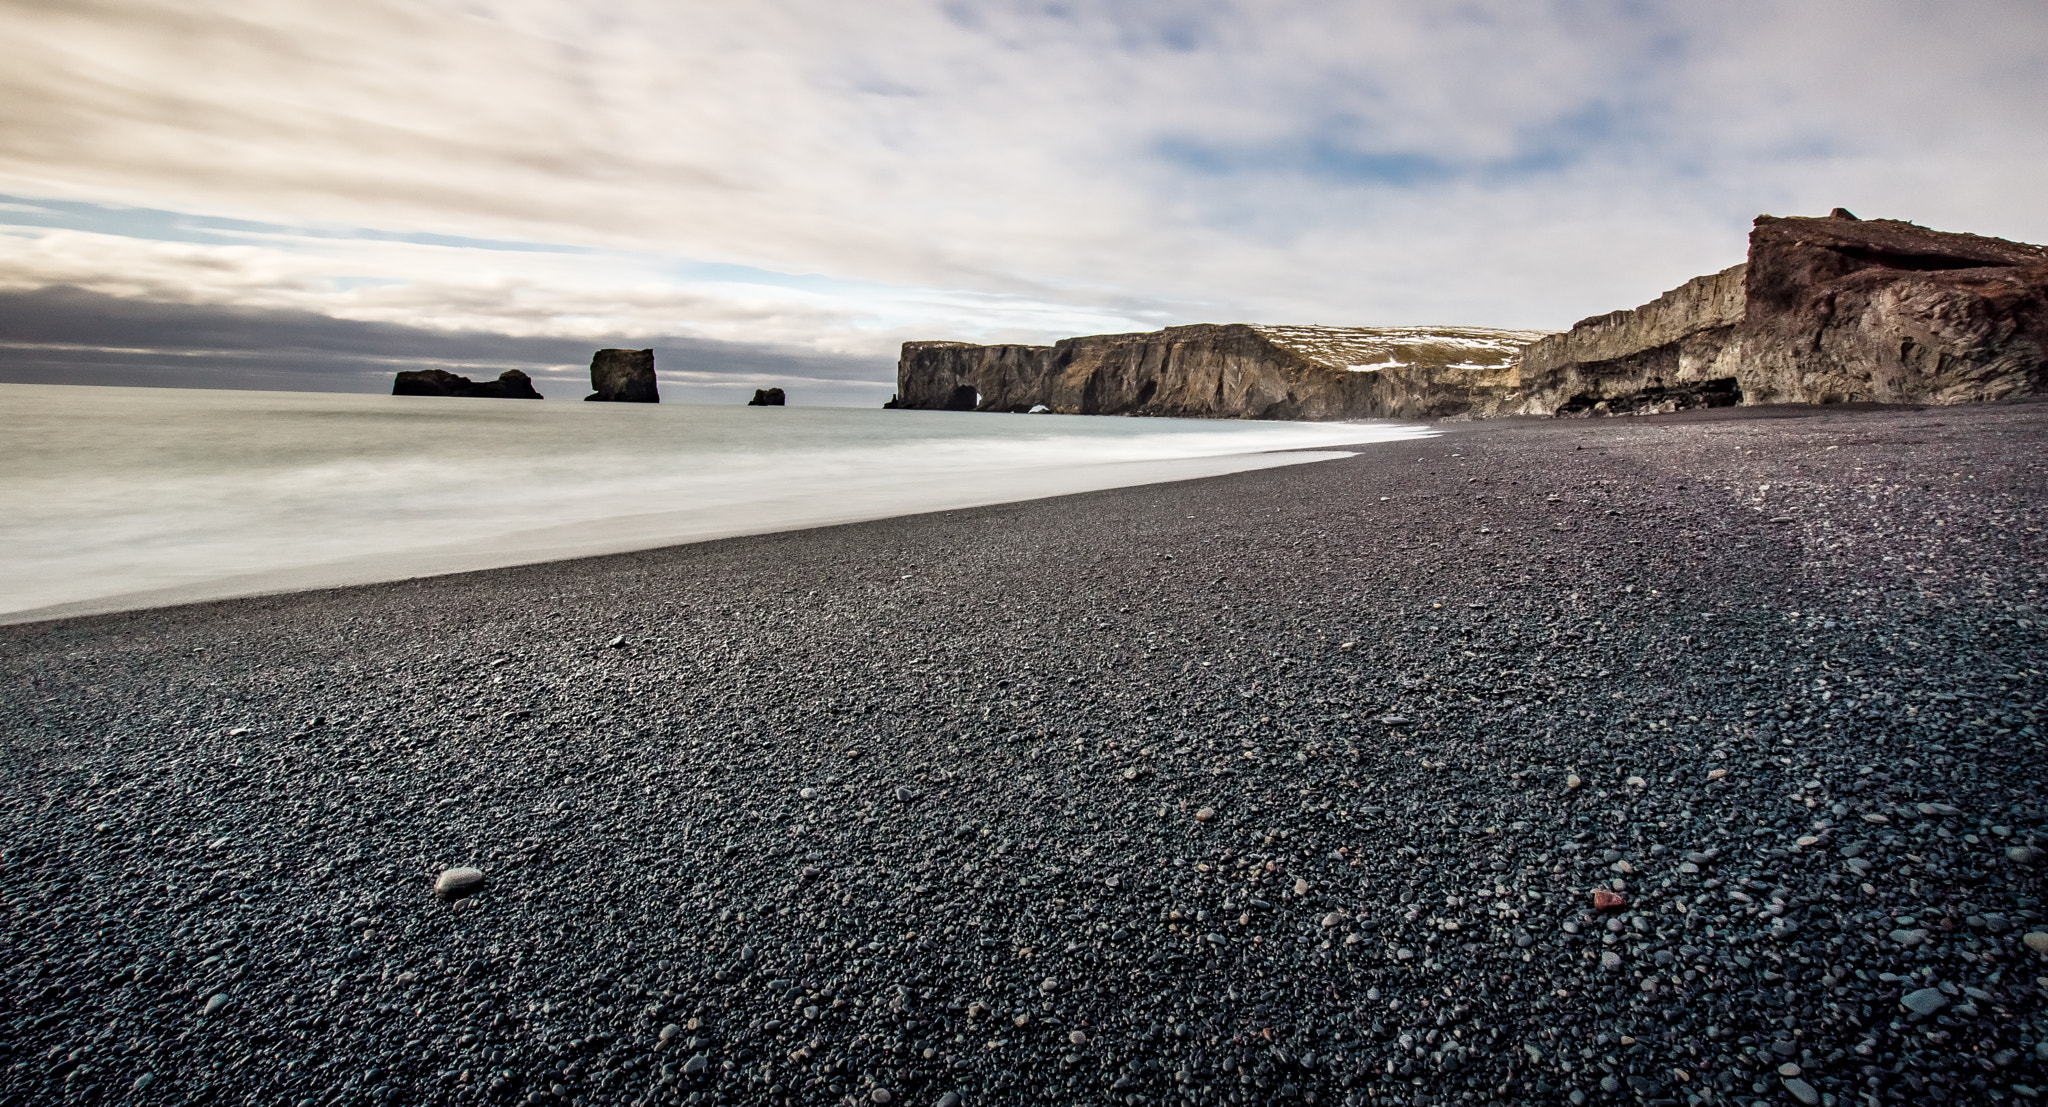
pixel 1844 309
pixel 1830 310
pixel 1604 900
pixel 623 376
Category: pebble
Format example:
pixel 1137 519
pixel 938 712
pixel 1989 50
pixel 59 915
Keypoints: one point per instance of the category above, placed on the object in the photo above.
pixel 456 883
pixel 1925 1001
pixel 1300 886
pixel 1801 1090
pixel 1205 814
pixel 1571 780
pixel 972 899
pixel 880 1095
pixel 215 1003
pixel 2024 855
pixel 1604 900
pixel 1077 1037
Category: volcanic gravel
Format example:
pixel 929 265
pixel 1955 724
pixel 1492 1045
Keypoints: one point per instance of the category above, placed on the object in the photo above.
pixel 1660 760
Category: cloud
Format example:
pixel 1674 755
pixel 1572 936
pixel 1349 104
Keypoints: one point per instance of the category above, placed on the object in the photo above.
pixel 1014 169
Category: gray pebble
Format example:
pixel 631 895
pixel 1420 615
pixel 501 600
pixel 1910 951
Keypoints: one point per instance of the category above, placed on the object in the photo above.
pixel 1926 1001
pixel 456 883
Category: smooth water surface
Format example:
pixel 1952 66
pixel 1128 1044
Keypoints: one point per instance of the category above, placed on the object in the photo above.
pixel 129 497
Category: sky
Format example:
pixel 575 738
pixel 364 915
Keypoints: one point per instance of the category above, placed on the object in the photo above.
pixel 305 194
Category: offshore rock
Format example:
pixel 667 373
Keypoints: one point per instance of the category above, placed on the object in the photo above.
pixel 767 397
pixel 1235 371
pixel 1829 310
pixel 623 376
pixel 510 385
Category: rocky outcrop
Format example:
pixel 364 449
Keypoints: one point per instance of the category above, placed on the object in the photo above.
pixel 1670 353
pixel 623 376
pixel 766 397
pixel 510 385
pixel 1233 370
pixel 1826 310
pixel 1842 309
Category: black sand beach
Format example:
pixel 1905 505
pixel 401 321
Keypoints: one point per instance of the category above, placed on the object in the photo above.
pixel 1292 785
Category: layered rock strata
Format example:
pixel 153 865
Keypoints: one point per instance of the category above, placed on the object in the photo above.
pixel 1232 370
pixel 510 385
pixel 1826 310
pixel 623 376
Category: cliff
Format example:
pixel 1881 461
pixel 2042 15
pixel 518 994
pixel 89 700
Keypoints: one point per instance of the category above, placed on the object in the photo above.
pixel 1825 310
pixel 1672 352
pixel 1236 371
pixel 1844 309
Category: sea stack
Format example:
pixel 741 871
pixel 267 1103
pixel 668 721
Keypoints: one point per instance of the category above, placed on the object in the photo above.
pixel 510 385
pixel 623 376
pixel 766 397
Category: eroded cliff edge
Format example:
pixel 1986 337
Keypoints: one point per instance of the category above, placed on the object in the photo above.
pixel 1826 310
pixel 1235 370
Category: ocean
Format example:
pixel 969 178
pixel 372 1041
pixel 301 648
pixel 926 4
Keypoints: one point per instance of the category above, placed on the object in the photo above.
pixel 119 498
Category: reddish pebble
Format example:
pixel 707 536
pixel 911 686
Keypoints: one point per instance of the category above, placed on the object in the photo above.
pixel 1604 900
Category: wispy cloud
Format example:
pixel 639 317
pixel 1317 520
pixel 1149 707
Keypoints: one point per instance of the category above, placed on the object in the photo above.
pixel 835 177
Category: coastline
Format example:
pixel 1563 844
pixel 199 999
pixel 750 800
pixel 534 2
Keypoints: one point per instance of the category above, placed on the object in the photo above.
pixel 1380 675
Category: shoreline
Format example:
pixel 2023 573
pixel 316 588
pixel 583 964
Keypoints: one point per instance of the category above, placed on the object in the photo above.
pixel 915 804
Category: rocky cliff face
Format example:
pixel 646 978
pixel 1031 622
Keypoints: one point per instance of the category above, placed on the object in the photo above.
pixel 510 385
pixel 1842 309
pixel 1233 370
pixel 1667 354
pixel 1825 310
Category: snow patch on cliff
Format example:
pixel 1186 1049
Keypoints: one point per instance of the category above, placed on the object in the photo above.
pixel 1373 349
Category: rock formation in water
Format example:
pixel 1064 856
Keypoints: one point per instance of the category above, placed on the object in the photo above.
pixel 510 385
pixel 1236 370
pixel 623 376
pixel 1827 310
pixel 766 397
